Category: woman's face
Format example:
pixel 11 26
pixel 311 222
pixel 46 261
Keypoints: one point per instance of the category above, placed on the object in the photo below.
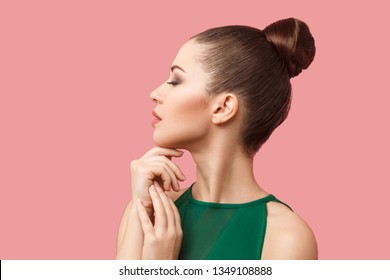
pixel 185 117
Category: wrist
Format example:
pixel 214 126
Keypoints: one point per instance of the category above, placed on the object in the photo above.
pixel 148 207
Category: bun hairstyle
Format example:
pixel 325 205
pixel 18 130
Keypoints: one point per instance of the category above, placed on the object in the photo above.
pixel 257 66
pixel 293 42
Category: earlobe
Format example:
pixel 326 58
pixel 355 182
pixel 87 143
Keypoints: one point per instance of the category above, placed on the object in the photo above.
pixel 225 107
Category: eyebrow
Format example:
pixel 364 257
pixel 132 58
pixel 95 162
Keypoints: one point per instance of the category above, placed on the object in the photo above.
pixel 178 67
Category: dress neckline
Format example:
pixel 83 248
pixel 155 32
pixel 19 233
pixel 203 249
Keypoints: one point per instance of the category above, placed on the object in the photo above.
pixel 269 197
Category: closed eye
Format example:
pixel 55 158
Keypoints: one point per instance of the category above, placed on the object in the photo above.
pixel 172 83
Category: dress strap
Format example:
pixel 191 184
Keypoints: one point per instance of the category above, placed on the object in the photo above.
pixel 274 199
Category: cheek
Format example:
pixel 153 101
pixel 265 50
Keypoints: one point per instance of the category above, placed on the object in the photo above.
pixel 186 120
pixel 187 110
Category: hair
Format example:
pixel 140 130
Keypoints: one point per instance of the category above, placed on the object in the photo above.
pixel 257 66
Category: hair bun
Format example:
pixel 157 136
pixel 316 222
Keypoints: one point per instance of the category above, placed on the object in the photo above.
pixel 293 42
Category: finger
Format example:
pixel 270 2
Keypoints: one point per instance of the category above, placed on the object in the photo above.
pixel 160 218
pixel 148 205
pixel 146 224
pixel 176 215
pixel 159 151
pixel 170 217
pixel 173 171
pixel 171 181
pixel 162 172
pixel 178 172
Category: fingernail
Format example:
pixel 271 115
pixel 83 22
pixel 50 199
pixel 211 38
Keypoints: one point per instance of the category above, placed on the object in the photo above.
pixel 152 187
pixel 183 177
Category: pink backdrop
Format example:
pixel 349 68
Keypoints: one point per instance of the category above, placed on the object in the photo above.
pixel 75 79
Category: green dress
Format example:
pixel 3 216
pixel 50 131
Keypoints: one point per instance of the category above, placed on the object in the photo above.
pixel 222 231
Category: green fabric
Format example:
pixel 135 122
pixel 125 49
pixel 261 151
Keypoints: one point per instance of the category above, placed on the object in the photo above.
pixel 222 231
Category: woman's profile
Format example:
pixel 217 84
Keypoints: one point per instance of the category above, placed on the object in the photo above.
pixel 229 89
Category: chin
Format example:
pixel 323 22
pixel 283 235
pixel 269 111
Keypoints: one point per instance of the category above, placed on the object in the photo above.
pixel 168 142
pixel 179 138
pixel 164 142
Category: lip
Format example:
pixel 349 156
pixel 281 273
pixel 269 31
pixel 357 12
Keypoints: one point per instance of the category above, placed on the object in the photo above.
pixel 155 114
pixel 157 118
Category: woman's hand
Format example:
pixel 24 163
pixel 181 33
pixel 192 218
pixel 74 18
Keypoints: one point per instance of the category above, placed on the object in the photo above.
pixel 155 165
pixel 162 240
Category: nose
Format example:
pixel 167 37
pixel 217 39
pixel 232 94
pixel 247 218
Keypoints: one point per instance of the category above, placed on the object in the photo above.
pixel 155 96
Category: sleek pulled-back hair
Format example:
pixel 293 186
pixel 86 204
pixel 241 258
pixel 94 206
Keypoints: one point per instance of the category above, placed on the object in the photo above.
pixel 257 66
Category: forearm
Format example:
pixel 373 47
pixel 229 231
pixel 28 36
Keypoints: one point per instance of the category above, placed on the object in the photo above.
pixel 130 235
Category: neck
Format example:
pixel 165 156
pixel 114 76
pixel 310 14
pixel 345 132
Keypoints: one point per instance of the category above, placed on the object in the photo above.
pixel 224 174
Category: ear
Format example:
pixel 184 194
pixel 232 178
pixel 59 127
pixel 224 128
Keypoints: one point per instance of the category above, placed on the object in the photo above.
pixel 224 107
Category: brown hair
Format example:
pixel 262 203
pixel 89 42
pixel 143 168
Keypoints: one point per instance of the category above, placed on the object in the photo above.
pixel 257 65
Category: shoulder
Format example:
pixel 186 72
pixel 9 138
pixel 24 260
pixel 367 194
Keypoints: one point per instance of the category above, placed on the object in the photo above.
pixel 287 235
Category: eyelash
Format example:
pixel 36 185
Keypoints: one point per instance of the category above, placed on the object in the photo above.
pixel 172 83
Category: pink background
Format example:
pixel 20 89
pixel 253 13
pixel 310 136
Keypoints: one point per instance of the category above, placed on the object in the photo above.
pixel 75 79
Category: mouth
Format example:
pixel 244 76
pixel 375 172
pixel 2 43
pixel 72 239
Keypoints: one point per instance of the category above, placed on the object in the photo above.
pixel 157 118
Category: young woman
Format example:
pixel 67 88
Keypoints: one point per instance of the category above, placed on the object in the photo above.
pixel 229 88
